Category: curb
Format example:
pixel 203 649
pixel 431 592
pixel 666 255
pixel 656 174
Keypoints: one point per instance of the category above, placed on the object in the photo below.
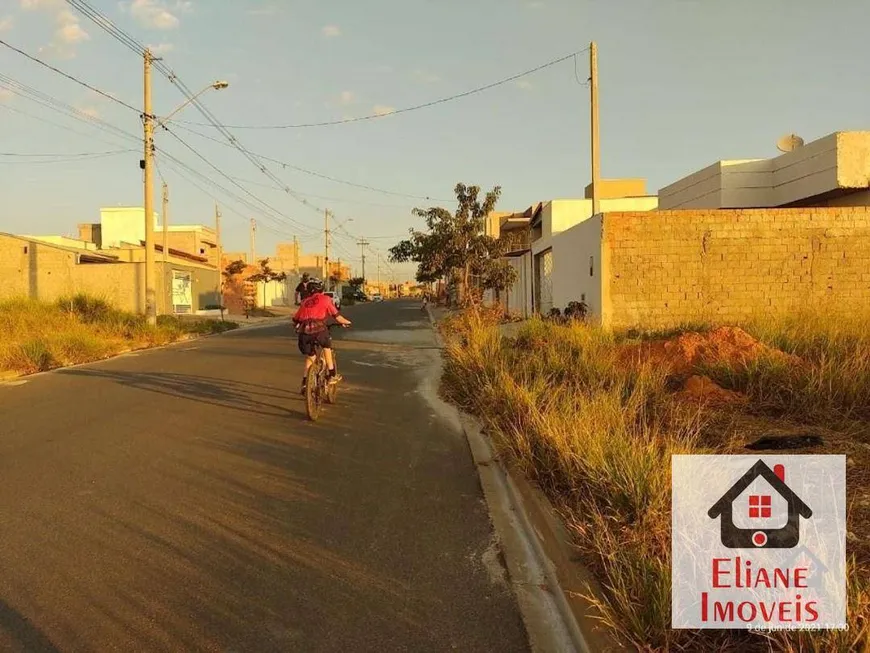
pixel 532 537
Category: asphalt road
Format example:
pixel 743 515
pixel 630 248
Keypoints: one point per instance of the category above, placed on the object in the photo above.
pixel 178 500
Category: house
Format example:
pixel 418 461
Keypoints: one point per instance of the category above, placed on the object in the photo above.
pixel 554 245
pixel 41 269
pixel 830 171
pixel 758 506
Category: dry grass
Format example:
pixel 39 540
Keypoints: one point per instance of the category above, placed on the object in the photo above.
pixel 37 336
pixel 598 437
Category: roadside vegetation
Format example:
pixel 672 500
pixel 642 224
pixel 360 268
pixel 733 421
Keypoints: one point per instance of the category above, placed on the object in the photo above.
pixel 39 336
pixel 594 417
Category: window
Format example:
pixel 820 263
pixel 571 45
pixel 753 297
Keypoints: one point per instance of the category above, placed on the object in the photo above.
pixel 591 266
pixel 26 249
pixel 759 506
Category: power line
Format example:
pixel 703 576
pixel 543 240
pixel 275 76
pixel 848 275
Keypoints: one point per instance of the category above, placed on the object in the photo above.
pixel 108 96
pixel 425 105
pixel 65 154
pixel 320 175
pixel 65 159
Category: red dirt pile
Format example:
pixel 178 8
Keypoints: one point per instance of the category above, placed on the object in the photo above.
pixel 684 354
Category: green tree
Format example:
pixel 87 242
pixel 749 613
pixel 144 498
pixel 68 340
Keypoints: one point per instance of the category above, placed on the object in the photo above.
pixel 266 275
pixel 455 247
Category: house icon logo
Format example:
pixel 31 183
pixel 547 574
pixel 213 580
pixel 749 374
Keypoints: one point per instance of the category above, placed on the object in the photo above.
pixel 760 511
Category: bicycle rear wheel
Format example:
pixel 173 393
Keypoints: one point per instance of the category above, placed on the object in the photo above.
pixel 313 392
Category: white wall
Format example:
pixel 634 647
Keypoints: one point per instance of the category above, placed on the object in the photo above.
pixel 517 300
pixel 123 225
pixel 574 251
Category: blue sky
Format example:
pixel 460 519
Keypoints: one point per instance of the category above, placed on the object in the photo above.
pixel 682 85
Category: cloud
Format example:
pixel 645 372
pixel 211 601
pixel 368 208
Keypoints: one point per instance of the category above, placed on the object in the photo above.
pixel 426 77
pixel 156 14
pixel 347 97
pixel 383 110
pixel 265 10
pixel 69 31
pixel 331 31
pixel 161 48
pixel 5 24
pixel 92 112
pixel 524 84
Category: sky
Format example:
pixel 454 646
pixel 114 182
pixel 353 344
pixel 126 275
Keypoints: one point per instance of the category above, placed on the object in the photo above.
pixel 682 84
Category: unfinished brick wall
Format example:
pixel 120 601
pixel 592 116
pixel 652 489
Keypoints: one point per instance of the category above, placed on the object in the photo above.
pixel 672 267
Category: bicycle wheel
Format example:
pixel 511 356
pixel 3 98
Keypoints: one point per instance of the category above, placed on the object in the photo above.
pixel 332 388
pixel 313 392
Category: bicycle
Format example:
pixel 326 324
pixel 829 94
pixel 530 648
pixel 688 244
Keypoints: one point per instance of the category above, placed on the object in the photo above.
pixel 318 389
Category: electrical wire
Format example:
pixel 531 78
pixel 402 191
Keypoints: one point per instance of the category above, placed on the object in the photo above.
pixel 85 157
pixel 291 166
pixel 425 105
pixel 108 96
pixel 67 154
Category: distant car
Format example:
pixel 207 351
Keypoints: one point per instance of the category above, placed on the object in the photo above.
pixel 377 297
pixel 335 299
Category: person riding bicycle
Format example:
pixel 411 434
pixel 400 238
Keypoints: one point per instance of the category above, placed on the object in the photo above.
pixel 302 289
pixel 310 322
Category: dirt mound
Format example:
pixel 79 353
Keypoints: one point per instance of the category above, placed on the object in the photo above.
pixel 702 389
pixel 683 354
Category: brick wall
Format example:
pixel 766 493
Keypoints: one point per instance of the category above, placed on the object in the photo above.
pixel 671 267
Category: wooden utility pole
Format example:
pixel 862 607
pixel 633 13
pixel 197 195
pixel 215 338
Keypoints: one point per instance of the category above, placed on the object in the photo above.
pixel 147 165
pixel 362 245
pixel 595 144
pixel 325 275
pixel 166 303
pixel 220 256
pixel 253 241
pixel 296 255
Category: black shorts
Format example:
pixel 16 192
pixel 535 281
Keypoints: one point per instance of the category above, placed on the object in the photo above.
pixel 307 341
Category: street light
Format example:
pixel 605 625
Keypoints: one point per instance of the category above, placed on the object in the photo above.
pixel 149 121
pixel 217 86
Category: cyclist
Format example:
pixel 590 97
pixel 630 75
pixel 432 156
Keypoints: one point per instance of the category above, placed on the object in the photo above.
pixel 302 290
pixel 310 322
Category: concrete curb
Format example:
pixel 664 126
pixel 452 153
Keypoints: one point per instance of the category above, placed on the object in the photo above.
pixel 532 537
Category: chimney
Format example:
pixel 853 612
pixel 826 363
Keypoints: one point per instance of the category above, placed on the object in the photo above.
pixel 779 470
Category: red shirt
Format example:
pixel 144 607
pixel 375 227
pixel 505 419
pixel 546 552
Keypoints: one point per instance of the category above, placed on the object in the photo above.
pixel 315 310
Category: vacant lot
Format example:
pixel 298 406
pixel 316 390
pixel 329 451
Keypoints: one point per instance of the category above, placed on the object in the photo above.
pixel 594 418
pixel 37 336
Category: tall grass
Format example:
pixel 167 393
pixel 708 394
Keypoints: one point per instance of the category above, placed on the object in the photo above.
pixel 598 437
pixel 39 336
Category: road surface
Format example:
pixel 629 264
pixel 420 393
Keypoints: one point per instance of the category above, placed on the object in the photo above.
pixel 178 500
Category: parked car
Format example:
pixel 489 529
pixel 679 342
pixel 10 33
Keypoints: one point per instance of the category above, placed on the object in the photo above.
pixel 360 296
pixel 377 297
pixel 336 299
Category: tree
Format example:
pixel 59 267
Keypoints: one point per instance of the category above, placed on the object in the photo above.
pixel 266 275
pixel 455 246
pixel 356 282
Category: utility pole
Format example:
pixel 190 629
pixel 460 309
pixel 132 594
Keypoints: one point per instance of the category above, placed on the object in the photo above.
pixel 326 248
pixel 595 144
pixel 148 122
pixel 220 256
pixel 253 241
pixel 296 255
pixel 379 270
pixel 363 243
pixel 165 301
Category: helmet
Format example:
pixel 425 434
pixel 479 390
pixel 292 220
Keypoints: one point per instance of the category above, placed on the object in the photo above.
pixel 315 285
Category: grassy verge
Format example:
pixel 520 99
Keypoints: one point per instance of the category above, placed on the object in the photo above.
pixel 37 336
pixel 597 435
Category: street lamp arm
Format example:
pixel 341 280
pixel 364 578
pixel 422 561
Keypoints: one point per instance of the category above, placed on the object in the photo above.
pixel 218 86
